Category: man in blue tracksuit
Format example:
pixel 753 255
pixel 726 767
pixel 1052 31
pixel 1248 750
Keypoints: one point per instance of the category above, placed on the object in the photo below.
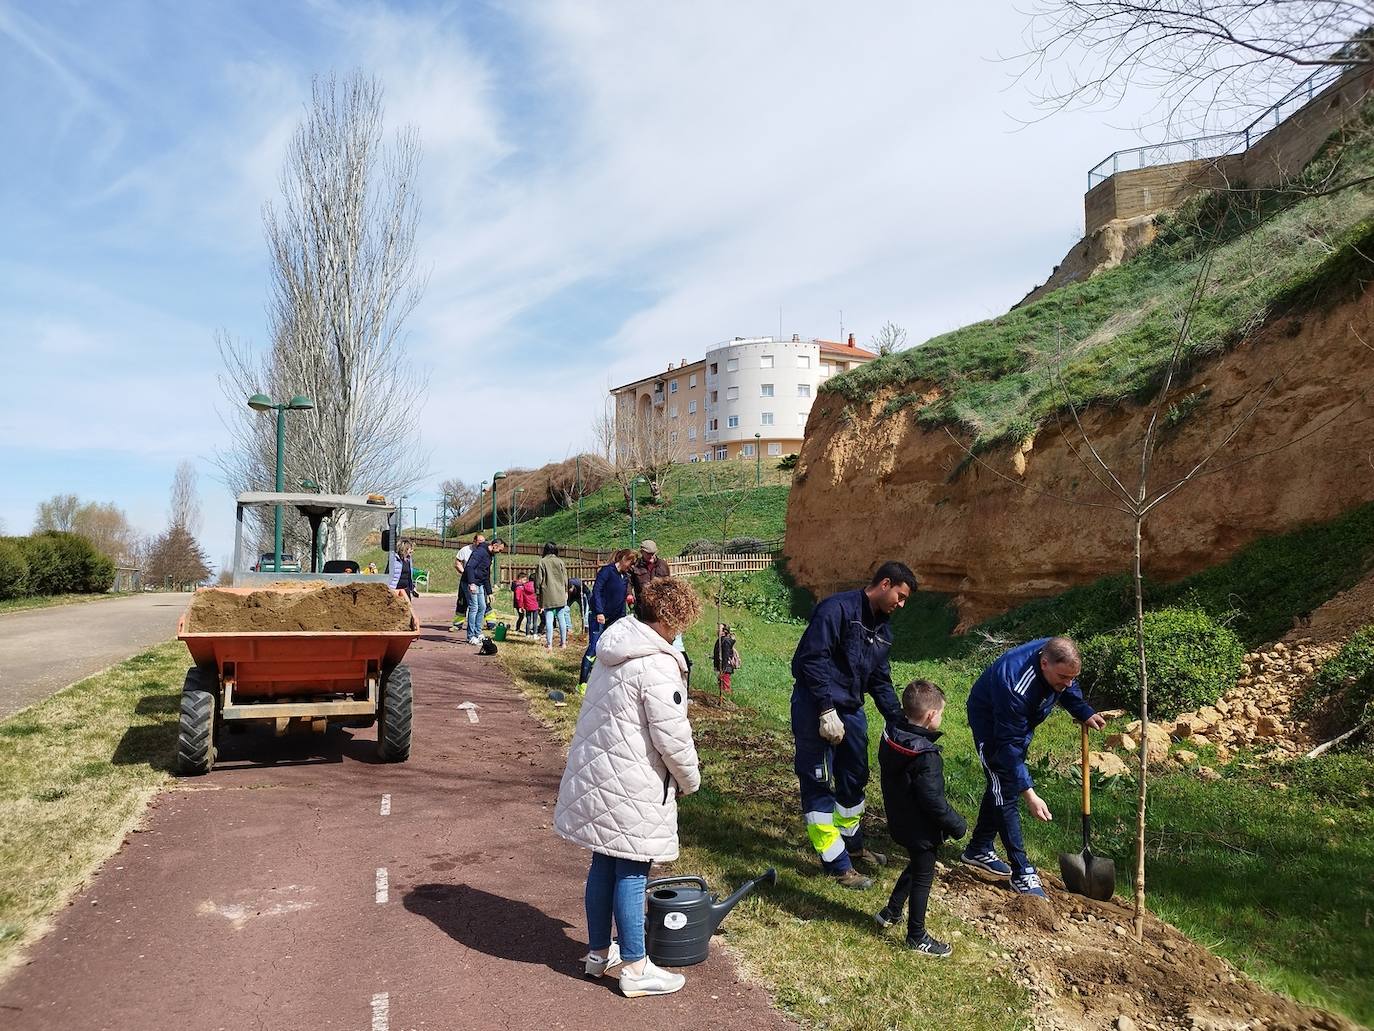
pixel 1013 697
pixel 843 656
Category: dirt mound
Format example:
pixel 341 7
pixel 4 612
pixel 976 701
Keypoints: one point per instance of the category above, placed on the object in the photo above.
pixel 1084 969
pixel 293 607
pixel 1337 619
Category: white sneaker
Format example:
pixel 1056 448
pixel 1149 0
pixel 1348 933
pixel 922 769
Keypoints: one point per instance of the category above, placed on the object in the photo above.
pixel 652 981
pixel 598 967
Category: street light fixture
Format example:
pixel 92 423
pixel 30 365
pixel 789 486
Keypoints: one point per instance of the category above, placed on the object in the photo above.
pixel 513 516
pixel 633 526
pixel 495 526
pixel 758 460
pixel 481 509
pixel 263 403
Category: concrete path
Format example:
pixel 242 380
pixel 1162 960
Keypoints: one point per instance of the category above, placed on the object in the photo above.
pixel 44 650
pixel 303 885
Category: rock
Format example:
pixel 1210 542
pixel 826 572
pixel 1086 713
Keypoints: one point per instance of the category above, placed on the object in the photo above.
pixel 1185 756
pixel 1112 714
pixel 1201 739
pixel 1157 742
pixel 1108 764
pixel 1125 1023
pixel 1209 716
pixel 1186 726
pixel 1268 726
pixel 1207 773
pixel 1122 741
pixel 1278 785
pixel 1222 707
pixel 1223 754
pixel 1133 727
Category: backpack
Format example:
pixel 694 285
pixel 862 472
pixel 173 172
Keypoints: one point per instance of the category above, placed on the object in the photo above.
pixel 488 647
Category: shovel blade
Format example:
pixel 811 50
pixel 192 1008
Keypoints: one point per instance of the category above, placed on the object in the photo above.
pixel 1088 875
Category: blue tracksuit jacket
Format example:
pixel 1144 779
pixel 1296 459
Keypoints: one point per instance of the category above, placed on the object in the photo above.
pixel 843 655
pixel 1008 702
pixel 608 594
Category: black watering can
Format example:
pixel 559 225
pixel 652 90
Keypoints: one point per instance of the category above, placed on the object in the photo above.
pixel 682 919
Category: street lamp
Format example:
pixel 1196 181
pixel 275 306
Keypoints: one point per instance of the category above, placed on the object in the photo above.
pixel 758 460
pixel 513 514
pixel 495 527
pixel 633 527
pixel 481 509
pixel 263 403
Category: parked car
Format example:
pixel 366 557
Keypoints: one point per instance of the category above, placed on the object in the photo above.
pixel 267 564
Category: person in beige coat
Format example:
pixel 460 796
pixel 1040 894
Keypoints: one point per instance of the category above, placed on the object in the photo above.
pixel 631 756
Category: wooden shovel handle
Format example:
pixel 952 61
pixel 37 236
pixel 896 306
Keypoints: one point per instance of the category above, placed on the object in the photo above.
pixel 1087 798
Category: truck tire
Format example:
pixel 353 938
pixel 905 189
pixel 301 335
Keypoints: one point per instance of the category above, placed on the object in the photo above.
pixel 196 736
pixel 393 717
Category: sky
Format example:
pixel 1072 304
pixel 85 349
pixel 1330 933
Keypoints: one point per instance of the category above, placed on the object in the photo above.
pixel 606 187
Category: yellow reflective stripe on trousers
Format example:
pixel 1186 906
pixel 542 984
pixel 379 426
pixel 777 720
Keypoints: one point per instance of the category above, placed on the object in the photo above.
pixel 825 839
pixel 847 818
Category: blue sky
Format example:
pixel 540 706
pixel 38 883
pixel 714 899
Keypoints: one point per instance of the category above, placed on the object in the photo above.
pixel 606 187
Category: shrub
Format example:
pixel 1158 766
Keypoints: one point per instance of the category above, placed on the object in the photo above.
pixel 1192 659
pixel 1347 678
pixel 46 574
pixel 745 546
pixel 84 568
pixel 700 546
pixel 14 570
pixel 789 461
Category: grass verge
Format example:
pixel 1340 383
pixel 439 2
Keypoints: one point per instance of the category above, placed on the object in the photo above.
pixel 47 601
pixel 814 945
pixel 76 771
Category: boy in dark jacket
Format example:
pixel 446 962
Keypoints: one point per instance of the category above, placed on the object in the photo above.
pixel 919 816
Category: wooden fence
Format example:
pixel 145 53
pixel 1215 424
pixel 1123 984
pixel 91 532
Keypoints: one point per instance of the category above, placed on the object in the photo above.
pixel 699 565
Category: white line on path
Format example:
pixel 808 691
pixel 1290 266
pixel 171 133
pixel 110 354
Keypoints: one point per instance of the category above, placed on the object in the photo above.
pixel 381 1008
pixel 386 805
pixel 381 884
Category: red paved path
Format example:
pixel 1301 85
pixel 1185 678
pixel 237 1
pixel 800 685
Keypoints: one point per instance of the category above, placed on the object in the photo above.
pixel 248 901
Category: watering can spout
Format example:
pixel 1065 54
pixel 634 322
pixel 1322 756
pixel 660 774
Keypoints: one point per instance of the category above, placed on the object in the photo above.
pixel 719 909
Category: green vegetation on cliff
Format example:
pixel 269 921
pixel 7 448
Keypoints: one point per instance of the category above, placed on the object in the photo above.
pixel 1110 336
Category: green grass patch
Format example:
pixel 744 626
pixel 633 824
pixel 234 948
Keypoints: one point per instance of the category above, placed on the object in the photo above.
pixel 76 771
pixel 45 601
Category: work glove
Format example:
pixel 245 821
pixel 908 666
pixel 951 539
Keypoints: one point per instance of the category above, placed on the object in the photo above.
pixel 832 729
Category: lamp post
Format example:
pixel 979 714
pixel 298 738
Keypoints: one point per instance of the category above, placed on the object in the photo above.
pixel 633 526
pixel 758 460
pixel 514 516
pixel 481 509
pixel 495 526
pixel 263 403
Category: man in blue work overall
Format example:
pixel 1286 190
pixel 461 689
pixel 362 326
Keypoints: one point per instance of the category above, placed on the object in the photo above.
pixel 1013 697
pixel 843 656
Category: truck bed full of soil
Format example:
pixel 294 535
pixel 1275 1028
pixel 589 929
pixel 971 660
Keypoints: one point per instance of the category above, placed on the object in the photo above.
pixel 369 607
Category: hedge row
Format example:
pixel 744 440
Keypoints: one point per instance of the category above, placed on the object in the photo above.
pixel 52 563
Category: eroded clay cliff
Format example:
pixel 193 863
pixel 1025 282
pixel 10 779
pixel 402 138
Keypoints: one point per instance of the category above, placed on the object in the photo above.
pixel 871 486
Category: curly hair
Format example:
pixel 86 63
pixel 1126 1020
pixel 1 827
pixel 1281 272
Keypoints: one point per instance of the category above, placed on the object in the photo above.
pixel 672 602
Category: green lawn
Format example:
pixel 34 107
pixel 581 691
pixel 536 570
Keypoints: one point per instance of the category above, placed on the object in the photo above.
pixel 45 601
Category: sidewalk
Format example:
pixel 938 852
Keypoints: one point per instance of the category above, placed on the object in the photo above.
pixel 280 896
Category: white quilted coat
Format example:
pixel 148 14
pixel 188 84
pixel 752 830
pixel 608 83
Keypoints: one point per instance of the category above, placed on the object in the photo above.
pixel 632 749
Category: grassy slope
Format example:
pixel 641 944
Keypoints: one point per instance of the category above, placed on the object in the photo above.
pixel 44 601
pixel 1114 331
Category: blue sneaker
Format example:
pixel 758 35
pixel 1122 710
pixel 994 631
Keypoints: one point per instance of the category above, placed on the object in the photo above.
pixel 1028 883
pixel 986 861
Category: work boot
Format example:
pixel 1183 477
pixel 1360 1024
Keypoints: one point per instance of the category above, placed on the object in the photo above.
pixel 853 880
pixel 928 946
pixel 869 857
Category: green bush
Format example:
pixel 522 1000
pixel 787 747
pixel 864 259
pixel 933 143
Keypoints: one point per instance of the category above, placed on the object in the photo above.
pixel 1347 678
pixel 64 563
pixel 1191 658
pixel 14 570
pixel 789 461
pixel 46 573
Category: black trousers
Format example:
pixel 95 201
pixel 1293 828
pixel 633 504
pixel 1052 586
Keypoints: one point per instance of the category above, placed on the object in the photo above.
pixel 914 884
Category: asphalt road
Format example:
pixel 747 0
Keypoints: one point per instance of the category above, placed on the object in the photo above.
pixel 44 650
pixel 301 884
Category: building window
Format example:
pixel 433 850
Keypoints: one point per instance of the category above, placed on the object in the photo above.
pixel 672 437
pixel 732 422
pixel 767 418
pixel 713 425
pixel 672 411
pixel 801 418
pixel 774 449
pixel 691 408
pixel 692 381
pixel 672 387
pixel 720 454
pixel 715 368
pixel 732 393
pixel 747 450
pixel 691 433
pixel 732 365
pixel 803 389
pixel 765 361
pixel 803 361
pixel 715 396
pixel 765 390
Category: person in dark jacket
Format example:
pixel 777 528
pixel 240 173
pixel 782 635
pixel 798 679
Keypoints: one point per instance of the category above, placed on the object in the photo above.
pixel 1013 697
pixel 476 585
pixel 605 605
pixel 646 569
pixel 575 598
pixel 724 657
pixel 919 817
pixel 841 658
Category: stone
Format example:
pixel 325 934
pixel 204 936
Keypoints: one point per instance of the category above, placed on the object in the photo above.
pixel 1209 716
pixel 1125 1023
pixel 1201 739
pixel 1157 742
pixel 1222 707
pixel 1223 754
pixel 1108 764
pixel 1186 726
pixel 1268 726
pixel 1122 741
pixel 1278 785
pixel 1183 755
pixel 1207 773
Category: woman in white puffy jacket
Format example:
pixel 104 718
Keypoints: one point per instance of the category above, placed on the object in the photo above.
pixel 631 756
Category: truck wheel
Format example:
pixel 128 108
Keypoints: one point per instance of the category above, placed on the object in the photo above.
pixel 196 737
pixel 393 717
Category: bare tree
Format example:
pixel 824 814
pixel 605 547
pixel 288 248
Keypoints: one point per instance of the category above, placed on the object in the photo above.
pixel 108 529
pixel 1197 57
pixel 57 513
pixel 654 447
pixel 343 280
pixel 604 433
pixel 177 560
pixel 184 508
pixel 889 340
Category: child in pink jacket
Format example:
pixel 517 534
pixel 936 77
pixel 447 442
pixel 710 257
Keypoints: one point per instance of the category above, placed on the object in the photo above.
pixel 528 600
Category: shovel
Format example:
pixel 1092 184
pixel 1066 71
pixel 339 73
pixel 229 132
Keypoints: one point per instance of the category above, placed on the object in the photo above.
pixel 1084 873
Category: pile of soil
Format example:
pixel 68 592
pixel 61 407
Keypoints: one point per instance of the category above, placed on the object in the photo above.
pixel 1084 968
pixel 370 607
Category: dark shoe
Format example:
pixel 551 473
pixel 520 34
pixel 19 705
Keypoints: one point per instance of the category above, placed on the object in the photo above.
pixel 986 861
pixel 869 857
pixel 928 946
pixel 1028 883
pixel 853 880
pixel 885 918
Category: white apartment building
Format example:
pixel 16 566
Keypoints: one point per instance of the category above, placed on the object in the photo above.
pixel 748 395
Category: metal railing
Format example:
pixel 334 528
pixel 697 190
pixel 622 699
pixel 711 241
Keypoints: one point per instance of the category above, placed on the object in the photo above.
pixel 1220 144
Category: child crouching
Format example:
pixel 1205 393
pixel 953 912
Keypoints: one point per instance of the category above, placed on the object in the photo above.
pixel 919 817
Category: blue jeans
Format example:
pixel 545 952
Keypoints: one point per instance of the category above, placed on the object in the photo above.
pixel 616 886
pixel 594 631
pixel 999 814
pixel 564 618
pixel 477 614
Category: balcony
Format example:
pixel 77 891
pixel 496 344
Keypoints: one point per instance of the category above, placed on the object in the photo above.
pixel 658 398
pixel 710 435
